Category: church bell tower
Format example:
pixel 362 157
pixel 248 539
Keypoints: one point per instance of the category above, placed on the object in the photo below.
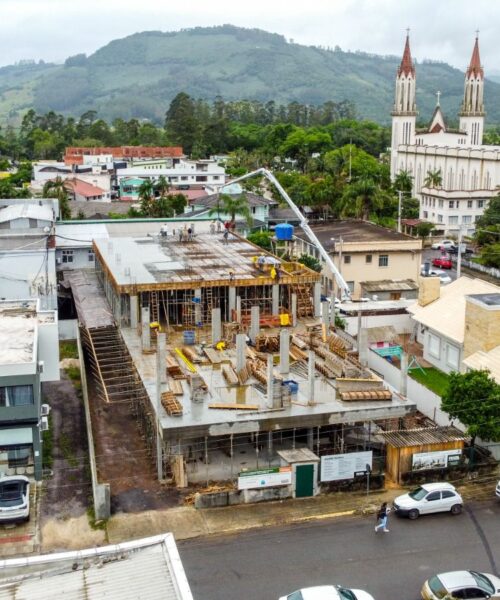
pixel 472 111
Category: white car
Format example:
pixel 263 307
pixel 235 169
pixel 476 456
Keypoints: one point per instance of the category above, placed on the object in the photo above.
pixel 444 278
pixel 328 592
pixel 429 498
pixel 497 491
pixel 14 498
pixel 461 584
pixel 443 245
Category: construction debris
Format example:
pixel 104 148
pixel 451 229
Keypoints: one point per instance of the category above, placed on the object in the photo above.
pixel 267 343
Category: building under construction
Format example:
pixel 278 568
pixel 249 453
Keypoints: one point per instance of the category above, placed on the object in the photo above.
pixel 224 353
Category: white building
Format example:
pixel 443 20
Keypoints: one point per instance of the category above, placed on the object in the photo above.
pixel 469 170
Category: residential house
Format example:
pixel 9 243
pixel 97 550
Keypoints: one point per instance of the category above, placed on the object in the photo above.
pixel 29 355
pixel 83 191
pixel 456 321
pixel 74 245
pixel 366 253
pixel 26 216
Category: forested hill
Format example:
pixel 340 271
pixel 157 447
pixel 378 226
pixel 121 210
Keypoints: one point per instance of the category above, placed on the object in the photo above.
pixel 138 76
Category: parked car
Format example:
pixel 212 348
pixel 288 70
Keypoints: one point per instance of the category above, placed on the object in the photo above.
pixel 461 584
pixel 442 261
pixel 444 277
pixel 429 498
pixel 14 498
pixel 328 592
pixel 443 245
pixel 497 491
pixel 464 249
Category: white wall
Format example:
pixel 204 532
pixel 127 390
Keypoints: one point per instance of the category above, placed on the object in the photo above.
pixel 427 401
pixel 447 349
pixel 67 329
pixel 401 323
pixel 48 346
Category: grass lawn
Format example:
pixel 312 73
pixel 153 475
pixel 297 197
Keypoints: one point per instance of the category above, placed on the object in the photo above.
pixel 432 378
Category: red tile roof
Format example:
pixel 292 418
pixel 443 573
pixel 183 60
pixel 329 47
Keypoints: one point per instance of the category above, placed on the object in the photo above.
pixel 475 67
pixel 406 65
pixel 82 188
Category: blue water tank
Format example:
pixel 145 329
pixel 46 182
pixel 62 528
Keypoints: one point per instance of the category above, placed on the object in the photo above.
pixel 284 232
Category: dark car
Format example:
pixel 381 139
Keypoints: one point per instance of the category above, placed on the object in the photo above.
pixel 465 250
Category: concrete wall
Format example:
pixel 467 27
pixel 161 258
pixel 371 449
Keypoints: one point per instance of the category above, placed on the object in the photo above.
pixel 445 354
pixel 217 499
pixel 482 326
pixel 401 323
pixel 48 346
pixel 427 401
pixel 80 258
pixel 68 329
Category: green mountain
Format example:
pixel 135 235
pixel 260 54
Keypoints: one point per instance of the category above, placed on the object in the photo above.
pixel 138 76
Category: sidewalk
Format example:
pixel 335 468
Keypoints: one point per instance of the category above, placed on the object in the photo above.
pixel 189 522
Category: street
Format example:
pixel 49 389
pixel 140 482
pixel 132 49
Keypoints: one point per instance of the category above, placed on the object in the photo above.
pixel 429 254
pixel 266 564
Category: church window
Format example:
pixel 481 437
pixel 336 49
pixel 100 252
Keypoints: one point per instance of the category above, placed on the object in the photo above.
pixel 480 203
pixel 469 203
pixel 440 203
pixel 453 220
pixel 467 219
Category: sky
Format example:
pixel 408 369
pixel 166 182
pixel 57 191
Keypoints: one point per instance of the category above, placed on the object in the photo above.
pixel 441 30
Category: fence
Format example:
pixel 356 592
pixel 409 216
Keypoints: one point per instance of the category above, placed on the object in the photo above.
pixel 491 271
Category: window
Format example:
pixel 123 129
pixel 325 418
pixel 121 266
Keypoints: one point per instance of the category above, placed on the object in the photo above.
pixel 480 203
pixel 450 204
pixel 452 356
pixel 347 259
pixel 368 259
pixel 453 220
pixel 426 214
pixel 469 203
pixel 91 256
pixel 440 204
pixel 440 219
pixel 17 456
pixel 447 494
pixel 67 256
pixel 16 395
pixel 434 345
pixel 467 219
pixel 383 260
pixel 433 496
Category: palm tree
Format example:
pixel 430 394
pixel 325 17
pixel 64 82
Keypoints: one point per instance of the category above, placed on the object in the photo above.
pixel 362 198
pixel 59 188
pixel 147 197
pixel 434 178
pixel 233 205
pixel 403 182
pixel 162 186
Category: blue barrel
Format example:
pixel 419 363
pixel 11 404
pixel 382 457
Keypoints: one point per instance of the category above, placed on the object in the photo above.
pixel 188 337
pixel 293 385
pixel 284 232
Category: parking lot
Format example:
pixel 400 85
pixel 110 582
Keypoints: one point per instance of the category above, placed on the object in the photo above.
pixel 22 538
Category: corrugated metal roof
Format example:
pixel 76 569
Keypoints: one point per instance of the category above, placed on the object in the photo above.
pixel 389 285
pixel 26 211
pixel 405 438
pixel 132 571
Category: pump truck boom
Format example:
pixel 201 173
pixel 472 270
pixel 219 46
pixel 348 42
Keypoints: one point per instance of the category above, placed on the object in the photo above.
pixel 346 292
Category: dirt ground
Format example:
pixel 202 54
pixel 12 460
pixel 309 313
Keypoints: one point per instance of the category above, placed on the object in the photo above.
pixel 123 460
pixel 67 492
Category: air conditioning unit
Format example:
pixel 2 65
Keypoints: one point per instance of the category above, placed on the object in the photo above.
pixel 45 410
pixel 44 424
pixel 41 366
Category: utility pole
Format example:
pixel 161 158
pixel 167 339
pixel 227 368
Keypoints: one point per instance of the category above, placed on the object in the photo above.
pixel 400 202
pixel 459 252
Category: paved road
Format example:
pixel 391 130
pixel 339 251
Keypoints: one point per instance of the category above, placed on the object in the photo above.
pixel 265 564
pixel 430 254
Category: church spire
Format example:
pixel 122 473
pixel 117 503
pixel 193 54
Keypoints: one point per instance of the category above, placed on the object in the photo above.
pixel 406 67
pixel 472 113
pixel 475 69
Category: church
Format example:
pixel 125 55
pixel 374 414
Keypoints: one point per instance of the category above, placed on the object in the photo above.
pixel 454 174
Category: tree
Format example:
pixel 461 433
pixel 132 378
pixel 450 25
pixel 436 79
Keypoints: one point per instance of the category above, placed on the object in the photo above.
pixel 311 262
pixel 362 198
pixel 434 178
pixel 403 182
pixel 474 399
pixel 233 205
pixel 490 255
pixel 410 208
pixel 181 123
pixel 261 239
pixel 58 188
pixel 147 197
pixel 424 229
pixel 162 186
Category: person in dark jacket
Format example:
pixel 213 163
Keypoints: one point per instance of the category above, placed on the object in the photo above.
pixel 382 515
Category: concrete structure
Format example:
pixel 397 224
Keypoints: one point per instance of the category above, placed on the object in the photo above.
pixel 144 568
pixel 26 217
pixel 366 253
pixel 29 355
pixel 469 170
pixel 463 319
pixel 79 155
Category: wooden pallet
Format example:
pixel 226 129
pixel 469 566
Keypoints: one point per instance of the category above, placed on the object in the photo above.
pixel 170 403
pixel 366 395
pixel 267 343
pixel 191 354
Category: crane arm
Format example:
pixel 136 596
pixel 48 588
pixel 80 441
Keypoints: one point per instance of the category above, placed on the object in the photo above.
pixel 303 223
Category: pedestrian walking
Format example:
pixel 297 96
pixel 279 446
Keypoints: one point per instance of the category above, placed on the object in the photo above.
pixel 190 234
pixel 225 235
pixel 181 232
pixel 382 515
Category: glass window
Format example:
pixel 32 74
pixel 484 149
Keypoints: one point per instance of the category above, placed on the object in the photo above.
pixel 450 204
pixel 67 256
pixel 16 395
pixel 434 345
pixel 368 259
pixel 383 260
pixel 91 256
pixel 347 259
pixel 18 456
pixel 467 219
pixel 483 582
pixel 469 203
pixel 346 594
pixel 452 356
pixel 433 496
pixel 480 203
pixel 453 220
pixel 295 596
pixel 447 494
pixel 437 587
pixel 418 494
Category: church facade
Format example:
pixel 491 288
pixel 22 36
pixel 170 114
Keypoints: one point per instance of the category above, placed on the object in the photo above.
pixel 454 174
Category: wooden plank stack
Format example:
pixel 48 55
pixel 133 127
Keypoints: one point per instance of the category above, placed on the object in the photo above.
pixel 366 395
pixel 176 387
pixel 171 405
pixel 229 375
pixel 173 368
pixel 267 343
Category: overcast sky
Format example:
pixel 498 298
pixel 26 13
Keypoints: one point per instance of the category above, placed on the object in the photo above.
pixel 440 29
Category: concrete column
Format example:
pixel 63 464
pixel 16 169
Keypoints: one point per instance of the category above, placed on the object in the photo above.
pixel 241 345
pixel 270 382
pixel 269 444
pixel 276 299
pixel 161 357
pixel 311 372
pixel 284 351
pixel 403 386
pixel 216 326
pixel 363 346
pixel 325 313
pixel 238 309
pixel 317 299
pixel 133 311
pixel 254 323
pixel 232 301
pixel 146 335
pixel 294 310
pixel 310 438
pixel 197 307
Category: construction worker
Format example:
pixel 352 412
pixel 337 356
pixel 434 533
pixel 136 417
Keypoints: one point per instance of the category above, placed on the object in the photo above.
pixel 274 273
pixel 231 275
pixel 261 261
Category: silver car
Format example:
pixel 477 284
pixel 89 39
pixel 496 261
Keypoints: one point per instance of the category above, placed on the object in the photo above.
pixel 328 592
pixel 461 584
pixel 429 498
pixel 14 498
